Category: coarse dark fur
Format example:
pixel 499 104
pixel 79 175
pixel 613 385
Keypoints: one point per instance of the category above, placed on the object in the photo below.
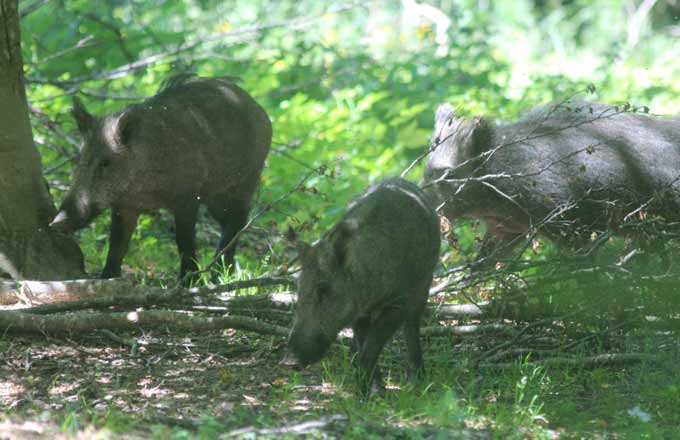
pixel 372 271
pixel 573 170
pixel 197 141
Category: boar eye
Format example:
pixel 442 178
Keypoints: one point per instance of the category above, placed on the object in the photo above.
pixel 104 163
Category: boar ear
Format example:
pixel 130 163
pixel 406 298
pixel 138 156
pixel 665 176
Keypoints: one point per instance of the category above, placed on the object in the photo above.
pixel 478 137
pixel 291 235
pixel 344 234
pixel 443 114
pixel 84 120
pixel 125 127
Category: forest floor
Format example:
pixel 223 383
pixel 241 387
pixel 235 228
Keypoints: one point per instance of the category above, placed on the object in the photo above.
pixel 227 384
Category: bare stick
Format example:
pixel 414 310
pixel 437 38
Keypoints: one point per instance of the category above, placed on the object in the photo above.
pixel 70 296
pixel 299 428
pixel 42 292
pixel 81 44
pixel 468 330
pixel 28 323
pixel 584 362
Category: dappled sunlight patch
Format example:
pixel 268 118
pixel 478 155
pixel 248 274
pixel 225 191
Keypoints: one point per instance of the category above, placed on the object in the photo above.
pixel 328 388
pixel 183 373
pixel 62 389
pixel 392 386
pixel 304 404
pixel 10 392
pixel 308 397
pixel 249 400
pixel 26 429
pixel 148 390
pixel 105 379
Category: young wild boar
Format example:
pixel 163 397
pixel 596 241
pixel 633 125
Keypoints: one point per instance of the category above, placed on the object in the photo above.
pixel 372 271
pixel 571 170
pixel 197 141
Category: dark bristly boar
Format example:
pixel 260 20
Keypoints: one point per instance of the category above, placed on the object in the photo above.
pixel 570 170
pixel 197 141
pixel 372 271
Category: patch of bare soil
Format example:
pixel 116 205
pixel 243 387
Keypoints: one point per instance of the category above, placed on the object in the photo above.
pixel 171 380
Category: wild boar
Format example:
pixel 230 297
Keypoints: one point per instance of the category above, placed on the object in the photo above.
pixel 197 141
pixel 372 271
pixel 571 171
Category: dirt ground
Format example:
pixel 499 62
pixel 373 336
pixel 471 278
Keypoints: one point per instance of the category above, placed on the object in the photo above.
pixel 173 381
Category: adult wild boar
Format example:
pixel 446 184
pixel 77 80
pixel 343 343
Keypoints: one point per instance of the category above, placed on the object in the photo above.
pixel 570 170
pixel 197 141
pixel 372 271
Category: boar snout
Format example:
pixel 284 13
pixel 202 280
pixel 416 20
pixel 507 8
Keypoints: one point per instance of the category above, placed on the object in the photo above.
pixel 67 222
pixel 305 349
pixel 75 213
pixel 62 223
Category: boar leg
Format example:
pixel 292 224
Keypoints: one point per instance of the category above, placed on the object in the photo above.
pixel 360 329
pixel 381 330
pixel 123 223
pixel 414 352
pixel 185 236
pixel 232 215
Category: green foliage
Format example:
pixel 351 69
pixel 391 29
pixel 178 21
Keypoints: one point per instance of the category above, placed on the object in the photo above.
pixel 351 96
pixel 352 92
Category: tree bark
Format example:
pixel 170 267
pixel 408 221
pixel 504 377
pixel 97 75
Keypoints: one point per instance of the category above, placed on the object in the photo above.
pixel 28 249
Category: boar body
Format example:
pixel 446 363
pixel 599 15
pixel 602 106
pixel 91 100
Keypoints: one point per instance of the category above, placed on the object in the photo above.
pixel 571 170
pixel 198 141
pixel 372 271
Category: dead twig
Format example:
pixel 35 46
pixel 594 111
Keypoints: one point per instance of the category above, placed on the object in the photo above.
pixel 298 428
pixel 468 330
pixel 600 360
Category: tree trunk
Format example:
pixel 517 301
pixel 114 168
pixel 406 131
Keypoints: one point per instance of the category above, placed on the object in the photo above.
pixel 28 249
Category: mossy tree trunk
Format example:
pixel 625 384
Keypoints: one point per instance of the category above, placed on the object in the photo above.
pixel 28 249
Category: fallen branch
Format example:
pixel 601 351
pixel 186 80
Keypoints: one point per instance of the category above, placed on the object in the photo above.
pixel 245 284
pixel 456 311
pixel 28 323
pixel 32 323
pixel 42 292
pixel 147 297
pixel 600 360
pixel 298 428
pixel 70 296
pixel 468 330
pixel 516 352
